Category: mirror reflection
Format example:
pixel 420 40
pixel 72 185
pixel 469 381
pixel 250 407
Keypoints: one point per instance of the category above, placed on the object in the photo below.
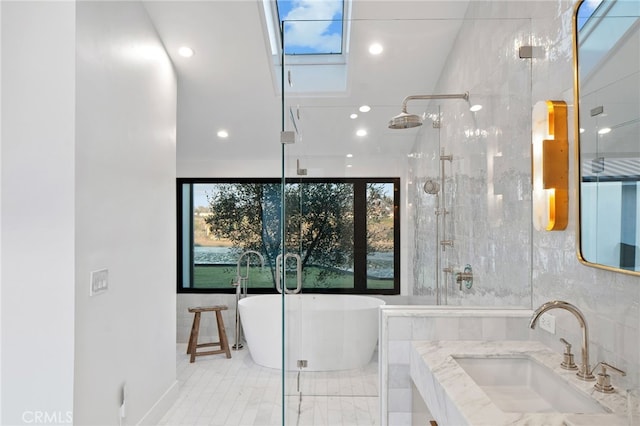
pixel 608 110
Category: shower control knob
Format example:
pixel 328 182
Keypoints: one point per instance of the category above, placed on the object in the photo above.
pixel 431 187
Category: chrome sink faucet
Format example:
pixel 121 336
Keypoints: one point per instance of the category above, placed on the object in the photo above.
pixel 584 371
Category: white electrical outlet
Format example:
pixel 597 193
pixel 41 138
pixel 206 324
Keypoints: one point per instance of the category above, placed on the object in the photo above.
pixel 548 322
pixel 99 282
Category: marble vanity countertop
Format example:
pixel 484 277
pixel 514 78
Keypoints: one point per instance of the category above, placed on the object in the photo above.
pixel 455 399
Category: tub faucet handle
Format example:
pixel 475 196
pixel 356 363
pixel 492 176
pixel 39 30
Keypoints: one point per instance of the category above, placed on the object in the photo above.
pixel 567 362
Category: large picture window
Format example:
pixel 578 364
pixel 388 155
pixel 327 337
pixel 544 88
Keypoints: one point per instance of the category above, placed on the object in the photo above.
pixel 346 232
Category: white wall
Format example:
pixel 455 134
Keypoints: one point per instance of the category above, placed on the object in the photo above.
pixel 38 96
pixel 88 182
pixel 0 208
pixel 125 214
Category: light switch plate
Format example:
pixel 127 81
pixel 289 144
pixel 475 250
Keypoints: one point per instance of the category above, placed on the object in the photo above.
pixel 99 282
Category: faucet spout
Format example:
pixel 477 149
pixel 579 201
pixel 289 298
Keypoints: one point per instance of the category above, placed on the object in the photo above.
pixel 584 372
pixel 241 282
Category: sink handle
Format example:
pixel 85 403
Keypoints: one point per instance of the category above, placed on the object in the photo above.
pixel 603 380
pixel 567 361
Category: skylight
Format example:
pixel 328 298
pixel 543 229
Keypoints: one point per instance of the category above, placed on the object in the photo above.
pixel 586 11
pixel 602 25
pixel 316 44
pixel 312 27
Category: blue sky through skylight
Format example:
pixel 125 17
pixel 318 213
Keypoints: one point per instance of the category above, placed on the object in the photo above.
pixel 586 10
pixel 312 27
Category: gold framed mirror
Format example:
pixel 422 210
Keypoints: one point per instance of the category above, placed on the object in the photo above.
pixel 606 38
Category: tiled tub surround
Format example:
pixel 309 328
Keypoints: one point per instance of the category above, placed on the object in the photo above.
pixel 455 399
pixel 401 325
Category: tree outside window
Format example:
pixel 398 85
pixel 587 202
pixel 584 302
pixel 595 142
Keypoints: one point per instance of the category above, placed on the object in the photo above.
pixel 345 232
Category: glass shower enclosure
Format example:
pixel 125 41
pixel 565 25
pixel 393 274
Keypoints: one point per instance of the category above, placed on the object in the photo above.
pixel 446 182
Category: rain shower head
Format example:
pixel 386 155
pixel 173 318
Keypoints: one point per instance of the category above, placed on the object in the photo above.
pixel 404 120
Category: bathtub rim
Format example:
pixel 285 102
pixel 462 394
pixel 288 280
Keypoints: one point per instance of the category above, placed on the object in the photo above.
pixel 247 302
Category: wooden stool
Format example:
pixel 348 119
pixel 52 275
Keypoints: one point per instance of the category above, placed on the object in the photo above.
pixel 195 329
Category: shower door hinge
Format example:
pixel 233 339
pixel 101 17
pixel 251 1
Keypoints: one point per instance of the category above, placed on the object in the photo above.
pixel 287 136
pixel 530 52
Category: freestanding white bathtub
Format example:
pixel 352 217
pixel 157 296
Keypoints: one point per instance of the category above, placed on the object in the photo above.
pixel 329 331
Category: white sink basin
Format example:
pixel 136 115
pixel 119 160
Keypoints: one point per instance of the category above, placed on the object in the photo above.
pixel 519 384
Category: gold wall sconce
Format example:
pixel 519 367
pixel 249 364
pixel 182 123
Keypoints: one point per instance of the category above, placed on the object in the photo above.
pixel 550 165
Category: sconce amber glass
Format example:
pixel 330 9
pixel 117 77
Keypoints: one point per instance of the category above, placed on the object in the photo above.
pixel 550 166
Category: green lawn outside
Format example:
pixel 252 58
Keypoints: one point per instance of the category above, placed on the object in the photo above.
pixel 220 277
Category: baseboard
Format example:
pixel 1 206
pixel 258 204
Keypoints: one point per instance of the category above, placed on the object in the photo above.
pixel 160 408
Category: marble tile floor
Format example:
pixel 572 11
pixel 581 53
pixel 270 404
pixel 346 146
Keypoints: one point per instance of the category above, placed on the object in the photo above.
pixel 215 390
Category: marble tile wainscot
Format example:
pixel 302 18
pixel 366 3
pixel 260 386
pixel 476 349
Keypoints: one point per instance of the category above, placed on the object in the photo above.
pixel 400 325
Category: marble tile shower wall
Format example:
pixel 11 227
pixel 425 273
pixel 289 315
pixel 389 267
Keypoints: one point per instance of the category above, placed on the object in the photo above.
pixel 487 181
pixel 513 264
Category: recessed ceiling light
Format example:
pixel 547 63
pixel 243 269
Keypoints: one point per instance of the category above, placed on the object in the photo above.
pixel 353 116
pixel 604 130
pixel 375 49
pixel 581 130
pixel 349 155
pixel 361 132
pixel 349 165
pixel 186 52
pixel 365 108
pixel 475 108
pixel 223 134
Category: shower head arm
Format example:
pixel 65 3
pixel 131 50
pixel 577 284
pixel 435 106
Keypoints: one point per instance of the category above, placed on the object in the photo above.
pixel 464 96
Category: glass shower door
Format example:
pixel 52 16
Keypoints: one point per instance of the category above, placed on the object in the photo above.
pixel 342 169
pixel 318 228
pixel 457 187
pixel 428 212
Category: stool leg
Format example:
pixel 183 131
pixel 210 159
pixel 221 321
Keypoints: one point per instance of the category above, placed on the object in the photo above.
pixel 193 340
pixel 193 327
pixel 222 334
